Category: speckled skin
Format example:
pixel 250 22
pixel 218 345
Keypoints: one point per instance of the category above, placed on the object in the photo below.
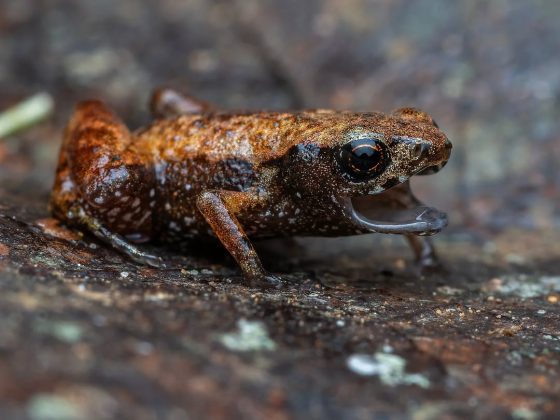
pixel 199 173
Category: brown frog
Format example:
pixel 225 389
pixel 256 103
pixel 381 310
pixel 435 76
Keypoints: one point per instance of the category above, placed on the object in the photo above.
pixel 198 173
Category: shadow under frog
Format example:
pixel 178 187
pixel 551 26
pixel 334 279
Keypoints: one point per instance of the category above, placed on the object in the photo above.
pixel 197 173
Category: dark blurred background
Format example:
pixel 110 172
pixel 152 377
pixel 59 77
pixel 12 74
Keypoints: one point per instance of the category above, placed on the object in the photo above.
pixel 488 72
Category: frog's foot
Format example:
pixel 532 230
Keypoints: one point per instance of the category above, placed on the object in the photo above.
pixel 139 256
pixel 372 213
pixel 115 240
pixel 168 103
pixel 267 281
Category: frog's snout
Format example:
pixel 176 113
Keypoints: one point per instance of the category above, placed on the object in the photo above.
pixel 446 153
pixel 447 148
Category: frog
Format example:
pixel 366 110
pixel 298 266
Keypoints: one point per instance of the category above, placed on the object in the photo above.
pixel 197 173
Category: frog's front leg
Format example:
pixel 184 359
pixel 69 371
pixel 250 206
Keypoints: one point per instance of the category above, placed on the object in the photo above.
pixel 423 248
pixel 424 251
pixel 220 209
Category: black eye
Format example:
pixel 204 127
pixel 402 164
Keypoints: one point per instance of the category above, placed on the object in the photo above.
pixel 363 159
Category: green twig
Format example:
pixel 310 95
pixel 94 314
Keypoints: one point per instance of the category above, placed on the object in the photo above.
pixel 26 114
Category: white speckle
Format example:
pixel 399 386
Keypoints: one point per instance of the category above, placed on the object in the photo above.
pixel 449 291
pixel 152 203
pixel 118 193
pixel 188 187
pixel 292 220
pixel 390 369
pixel 174 226
pixel 167 206
pixel 189 220
pixel 524 286
pixel 250 336
pixel 340 323
pixel 136 202
pixel 143 219
pixel 402 178
pixel 525 413
pixel 124 274
pixel 376 190
pixel 127 217
pixel 297 211
pixel 67 186
pixel 298 195
pixel 157 296
pixel 99 200
pixel 541 312
pixel 387 348
pixel 44 405
pixel 114 212
pixel 152 193
pixel 281 214
pixel 515 259
pixel 144 348
pixel 124 199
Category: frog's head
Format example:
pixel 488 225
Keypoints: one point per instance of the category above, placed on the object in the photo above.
pixel 361 156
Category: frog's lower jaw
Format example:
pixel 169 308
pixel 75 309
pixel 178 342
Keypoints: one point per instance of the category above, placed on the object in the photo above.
pixel 421 220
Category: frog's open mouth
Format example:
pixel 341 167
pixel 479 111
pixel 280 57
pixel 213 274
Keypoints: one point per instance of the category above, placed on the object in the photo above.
pixel 381 213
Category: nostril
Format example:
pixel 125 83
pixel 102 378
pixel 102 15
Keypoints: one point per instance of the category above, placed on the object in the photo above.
pixel 420 150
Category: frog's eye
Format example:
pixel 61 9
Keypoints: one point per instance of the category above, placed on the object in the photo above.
pixel 364 159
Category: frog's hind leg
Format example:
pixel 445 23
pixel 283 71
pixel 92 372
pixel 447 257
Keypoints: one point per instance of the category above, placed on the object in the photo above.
pixel 117 241
pixel 112 181
pixel 168 103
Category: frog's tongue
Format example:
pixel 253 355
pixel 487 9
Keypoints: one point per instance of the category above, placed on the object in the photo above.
pixel 378 216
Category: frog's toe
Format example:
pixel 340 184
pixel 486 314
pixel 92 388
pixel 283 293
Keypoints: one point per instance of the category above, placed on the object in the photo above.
pixel 156 262
pixel 149 260
pixel 428 261
pixel 273 281
pixel 267 281
pixel 429 266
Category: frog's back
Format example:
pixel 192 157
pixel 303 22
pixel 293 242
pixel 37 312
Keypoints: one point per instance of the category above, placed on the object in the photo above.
pixel 251 137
